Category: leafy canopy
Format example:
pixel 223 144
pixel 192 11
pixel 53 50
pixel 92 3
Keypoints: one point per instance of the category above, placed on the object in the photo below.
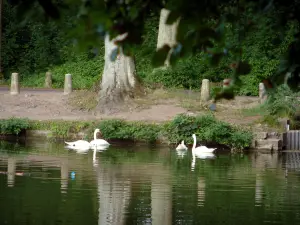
pixel 201 28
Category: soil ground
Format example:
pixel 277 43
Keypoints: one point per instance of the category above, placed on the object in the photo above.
pixel 157 105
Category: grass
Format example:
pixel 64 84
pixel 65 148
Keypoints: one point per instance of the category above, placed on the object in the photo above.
pixel 255 111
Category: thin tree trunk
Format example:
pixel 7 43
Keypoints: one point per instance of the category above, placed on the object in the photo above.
pixel 1 10
pixel 166 33
pixel 119 80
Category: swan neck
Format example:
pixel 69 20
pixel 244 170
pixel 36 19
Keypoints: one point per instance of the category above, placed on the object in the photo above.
pixel 194 144
pixel 95 135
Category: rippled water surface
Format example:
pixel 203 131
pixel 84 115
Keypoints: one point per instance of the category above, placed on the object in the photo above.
pixel 43 183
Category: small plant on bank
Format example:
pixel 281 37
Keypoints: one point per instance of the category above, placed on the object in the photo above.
pixel 13 126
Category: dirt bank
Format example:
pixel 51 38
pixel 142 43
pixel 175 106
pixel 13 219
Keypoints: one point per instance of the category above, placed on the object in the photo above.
pixel 159 105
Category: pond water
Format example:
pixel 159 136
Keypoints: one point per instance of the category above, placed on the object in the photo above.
pixel 45 184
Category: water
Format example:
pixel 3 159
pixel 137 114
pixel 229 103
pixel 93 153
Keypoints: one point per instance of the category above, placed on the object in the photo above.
pixel 45 184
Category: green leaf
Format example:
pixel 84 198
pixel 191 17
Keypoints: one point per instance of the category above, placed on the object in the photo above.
pixel 172 17
pixel 243 68
pixel 160 56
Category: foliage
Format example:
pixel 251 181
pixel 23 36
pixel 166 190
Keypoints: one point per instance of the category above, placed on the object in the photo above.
pixel 13 126
pixel 119 129
pixel 208 129
pixel 201 28
pixel 38 45
pixel 284 103
pixel 84 74
pixel 60 129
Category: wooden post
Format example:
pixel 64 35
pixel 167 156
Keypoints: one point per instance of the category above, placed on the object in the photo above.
pixel 68 84
pixel 262 92
pixel 48 80
pixel 14 84
pixel 205 91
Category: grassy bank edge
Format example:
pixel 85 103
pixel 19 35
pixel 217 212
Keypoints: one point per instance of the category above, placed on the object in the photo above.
pixel 208 129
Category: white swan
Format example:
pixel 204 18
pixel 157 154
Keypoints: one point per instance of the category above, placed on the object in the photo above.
pixel 78 145
pixel 200 149
pixel 181 146
pixel 99 143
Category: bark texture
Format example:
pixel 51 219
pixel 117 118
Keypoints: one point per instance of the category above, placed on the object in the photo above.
pixel 166 33
pixel 119 80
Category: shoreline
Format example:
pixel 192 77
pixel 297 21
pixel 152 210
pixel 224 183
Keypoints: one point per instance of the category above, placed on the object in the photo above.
pixel 161 133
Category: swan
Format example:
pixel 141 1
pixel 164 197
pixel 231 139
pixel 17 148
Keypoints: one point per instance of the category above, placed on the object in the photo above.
pixel 78 145
pixel 200 149
pixel 98 142
pixel 181 146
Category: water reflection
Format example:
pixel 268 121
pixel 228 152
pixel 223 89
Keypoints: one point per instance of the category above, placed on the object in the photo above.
pixel 201 191
pixel 204 155
pixel 11 171
pixel 64 175
pixel 139 186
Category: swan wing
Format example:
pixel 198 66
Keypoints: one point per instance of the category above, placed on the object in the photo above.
pixel 204 149
pixel 99 142
pixel 77 143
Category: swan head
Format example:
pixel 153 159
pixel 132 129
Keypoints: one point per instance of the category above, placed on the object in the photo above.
pixel 97 130
pixel 194 135
pixel 182 142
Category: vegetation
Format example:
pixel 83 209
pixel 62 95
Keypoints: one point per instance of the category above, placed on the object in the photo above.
pixel 13 126
pixel 283 104
pixel 40 45
pixel 207 129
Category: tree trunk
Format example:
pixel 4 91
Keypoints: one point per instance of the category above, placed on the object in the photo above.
pixel 119 80
pixel 166 33
pixel 1 10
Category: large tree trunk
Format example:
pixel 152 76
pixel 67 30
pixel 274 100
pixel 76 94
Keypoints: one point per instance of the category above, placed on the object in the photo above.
pixel 166 33
pixel 119 80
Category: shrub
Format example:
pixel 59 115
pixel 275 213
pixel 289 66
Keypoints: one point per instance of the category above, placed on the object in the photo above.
pixel 84 74
pixel 207 129
pixel 283 102
pixel 60 129
pixel 13 126
pixel 119 129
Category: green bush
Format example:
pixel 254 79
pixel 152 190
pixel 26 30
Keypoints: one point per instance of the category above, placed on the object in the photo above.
pixel 84 72
pixel 60 129
pixel 119 129
pixel 13 126
pixel 283 102
pixel 207 129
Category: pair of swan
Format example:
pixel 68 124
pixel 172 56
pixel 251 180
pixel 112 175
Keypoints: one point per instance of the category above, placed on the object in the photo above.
pixel 82 145
pixel 195 150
